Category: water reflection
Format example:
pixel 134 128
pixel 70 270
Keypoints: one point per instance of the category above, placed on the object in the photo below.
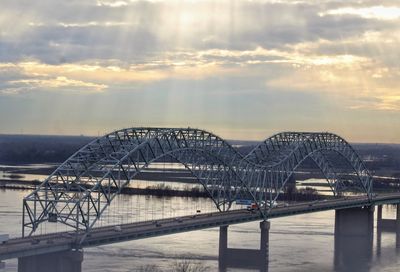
pixel 248 265
pixel 352 253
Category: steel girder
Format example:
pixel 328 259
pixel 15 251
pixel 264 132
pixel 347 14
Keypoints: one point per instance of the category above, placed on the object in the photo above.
pixel 79 190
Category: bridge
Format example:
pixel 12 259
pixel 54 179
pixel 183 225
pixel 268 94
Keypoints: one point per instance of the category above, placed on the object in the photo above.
pixel 80 190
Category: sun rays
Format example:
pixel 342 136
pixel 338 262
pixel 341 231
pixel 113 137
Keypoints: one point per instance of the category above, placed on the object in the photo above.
pixel 233 66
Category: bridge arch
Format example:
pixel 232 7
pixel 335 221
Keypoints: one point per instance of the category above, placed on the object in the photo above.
pixel 285 152
pixel 80 189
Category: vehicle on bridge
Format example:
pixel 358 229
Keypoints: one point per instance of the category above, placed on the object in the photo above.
pixel 252 207
pixel 4 238
pixel 243 202
pixel 269 204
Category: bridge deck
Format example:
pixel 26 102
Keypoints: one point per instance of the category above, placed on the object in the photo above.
pixel 28 246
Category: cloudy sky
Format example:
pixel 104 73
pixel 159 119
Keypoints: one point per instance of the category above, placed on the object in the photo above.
pixel 242 69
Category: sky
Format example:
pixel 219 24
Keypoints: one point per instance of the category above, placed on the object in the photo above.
pixel 241 69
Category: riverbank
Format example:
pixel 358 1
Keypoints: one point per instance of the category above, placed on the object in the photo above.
pixel 172 179
pixel 307 194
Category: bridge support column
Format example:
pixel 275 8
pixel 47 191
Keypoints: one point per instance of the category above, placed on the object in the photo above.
pixel 398 226
pixel 379 216
pixel 354 221
pixel 244 258
pixel 223 246
pixel 65 261
pixel 389 225
pixel 353 238
pixel 379 231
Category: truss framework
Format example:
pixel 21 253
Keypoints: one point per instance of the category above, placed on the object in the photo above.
pixel 79 190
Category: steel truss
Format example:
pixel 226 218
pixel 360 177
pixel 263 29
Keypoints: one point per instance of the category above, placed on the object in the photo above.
pixel 79 190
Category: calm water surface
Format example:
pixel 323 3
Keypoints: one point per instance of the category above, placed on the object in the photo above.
pixel 297 243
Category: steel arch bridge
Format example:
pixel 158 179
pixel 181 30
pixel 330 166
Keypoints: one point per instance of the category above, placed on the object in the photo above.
pixel 80 190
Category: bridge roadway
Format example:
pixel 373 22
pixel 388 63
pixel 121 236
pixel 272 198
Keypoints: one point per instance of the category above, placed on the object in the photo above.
pixel 56 242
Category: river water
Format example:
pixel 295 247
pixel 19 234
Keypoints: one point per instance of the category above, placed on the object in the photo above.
pixel 297 243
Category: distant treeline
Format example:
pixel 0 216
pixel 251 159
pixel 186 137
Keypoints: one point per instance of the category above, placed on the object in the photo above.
pixel 24 149
pixel 307 194
pixel 29 149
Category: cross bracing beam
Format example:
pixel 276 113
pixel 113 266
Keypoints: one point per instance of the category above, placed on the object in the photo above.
pixel 79 191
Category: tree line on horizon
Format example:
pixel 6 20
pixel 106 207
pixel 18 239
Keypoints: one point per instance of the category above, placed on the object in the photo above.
pixel 31 149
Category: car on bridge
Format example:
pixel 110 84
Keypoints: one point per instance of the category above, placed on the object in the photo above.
pixel 117 228
pixel 4 238
pixel 269 204
pixel 252 207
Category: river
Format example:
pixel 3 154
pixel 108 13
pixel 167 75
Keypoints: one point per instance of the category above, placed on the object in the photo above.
pixel 297 243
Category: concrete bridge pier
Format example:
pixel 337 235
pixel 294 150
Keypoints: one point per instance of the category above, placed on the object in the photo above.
pixel 354 228
pixel 378 231
pixel 388 225
pixel 244 258
pixel 64 261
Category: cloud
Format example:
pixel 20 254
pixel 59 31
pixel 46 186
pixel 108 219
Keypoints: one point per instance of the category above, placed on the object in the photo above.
pixel 59 83
pixel 299 68
pixel 112 3
pixel 31 76
pixel 140 29
pixel 374 12
pixel 181 55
